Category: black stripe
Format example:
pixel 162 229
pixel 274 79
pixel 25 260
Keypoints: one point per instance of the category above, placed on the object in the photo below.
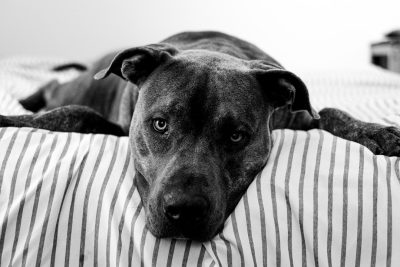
pixel 171 252
pixel 237 237
pixel 360 206
pixel 315 197
pixel 2 132
pixel 51 198
pixel 122 222
pixel 12 192
pixel 345 205
pixel 389 215
pixel 330 200
pixel 374 212
pixel 214 249
pixel 22 202
pixel 155 252
pixel 35 205
pixel 86 200
pixel 201 256
pixel 301 199
pixel 72 207
pixel 142 244
pixel 274 204
pixel 287 198
pixel 228 249
pixel 101 200
pixel 69 179
pixel 131 242
pixel 112 207
pixel 248 226
pixel 10 145
pixel 186 253
pixel 397 169
pixel 262 220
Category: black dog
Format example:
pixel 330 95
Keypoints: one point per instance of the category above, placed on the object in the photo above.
pixel 199 108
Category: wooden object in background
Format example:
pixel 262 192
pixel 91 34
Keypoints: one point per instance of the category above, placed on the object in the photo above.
pixel 386 53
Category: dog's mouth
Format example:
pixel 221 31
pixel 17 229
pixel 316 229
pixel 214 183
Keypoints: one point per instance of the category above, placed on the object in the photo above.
pixel 201 230
pixel 176 215
pixel 186 223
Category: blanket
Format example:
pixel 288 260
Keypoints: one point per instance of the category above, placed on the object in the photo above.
pixel 69 199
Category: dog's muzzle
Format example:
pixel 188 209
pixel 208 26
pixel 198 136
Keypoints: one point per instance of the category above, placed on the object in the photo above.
pixel 185 210
pixel 187 205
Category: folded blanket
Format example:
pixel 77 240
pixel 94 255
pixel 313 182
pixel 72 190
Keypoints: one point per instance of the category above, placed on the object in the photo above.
pixel 69 199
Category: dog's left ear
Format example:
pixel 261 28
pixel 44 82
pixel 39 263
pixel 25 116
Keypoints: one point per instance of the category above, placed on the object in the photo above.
pixel 136 64
pixel 282 87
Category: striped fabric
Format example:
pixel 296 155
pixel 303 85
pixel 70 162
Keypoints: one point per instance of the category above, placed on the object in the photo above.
pixel 68 199
pixel 369 94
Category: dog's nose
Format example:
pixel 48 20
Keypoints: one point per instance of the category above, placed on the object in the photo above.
pixel 185 209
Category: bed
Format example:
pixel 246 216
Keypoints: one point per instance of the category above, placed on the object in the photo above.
pixel 69 199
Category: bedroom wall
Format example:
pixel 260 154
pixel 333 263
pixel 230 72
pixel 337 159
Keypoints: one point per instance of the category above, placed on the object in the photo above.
pixel 325 33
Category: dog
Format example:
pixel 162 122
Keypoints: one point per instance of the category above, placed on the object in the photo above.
pixel 198 108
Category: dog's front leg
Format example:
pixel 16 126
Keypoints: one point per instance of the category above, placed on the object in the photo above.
pixel 71 118
pixel 381 140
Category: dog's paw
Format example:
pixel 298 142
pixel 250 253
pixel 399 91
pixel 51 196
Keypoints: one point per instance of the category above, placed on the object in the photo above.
pixel 382 140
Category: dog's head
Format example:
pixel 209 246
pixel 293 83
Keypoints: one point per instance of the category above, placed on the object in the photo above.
pixel 199 132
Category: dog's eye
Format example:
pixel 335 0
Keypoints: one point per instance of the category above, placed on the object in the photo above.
pixel 160 125
pixel 236 137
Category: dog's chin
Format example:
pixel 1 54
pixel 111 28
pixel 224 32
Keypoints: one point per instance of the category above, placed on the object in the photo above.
pixel 162 228
pixel 196 235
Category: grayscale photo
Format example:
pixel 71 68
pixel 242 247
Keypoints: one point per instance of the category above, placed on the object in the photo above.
pixel 200 133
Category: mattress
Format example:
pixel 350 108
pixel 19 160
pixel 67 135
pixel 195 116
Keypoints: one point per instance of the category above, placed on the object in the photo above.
pixel 69 199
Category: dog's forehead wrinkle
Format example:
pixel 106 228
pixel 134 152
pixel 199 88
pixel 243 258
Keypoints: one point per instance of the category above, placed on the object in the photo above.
pixel 174 94
pixel 231 123
pixel 241 103
pixel 168 105
pixel 212 60
pixel 199 103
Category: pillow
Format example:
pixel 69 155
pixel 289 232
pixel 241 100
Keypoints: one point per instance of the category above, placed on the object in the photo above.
pixel 69 198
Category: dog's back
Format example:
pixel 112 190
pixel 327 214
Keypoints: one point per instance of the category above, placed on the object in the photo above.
pixel 104 95
pixel 220 42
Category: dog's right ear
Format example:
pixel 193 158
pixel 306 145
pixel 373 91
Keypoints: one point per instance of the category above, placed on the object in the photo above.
pixel 136 64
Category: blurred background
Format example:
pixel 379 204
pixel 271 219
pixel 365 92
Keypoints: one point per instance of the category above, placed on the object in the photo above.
pixel 307 33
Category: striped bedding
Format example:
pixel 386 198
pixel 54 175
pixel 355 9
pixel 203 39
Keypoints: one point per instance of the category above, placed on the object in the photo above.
pixel 68 199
